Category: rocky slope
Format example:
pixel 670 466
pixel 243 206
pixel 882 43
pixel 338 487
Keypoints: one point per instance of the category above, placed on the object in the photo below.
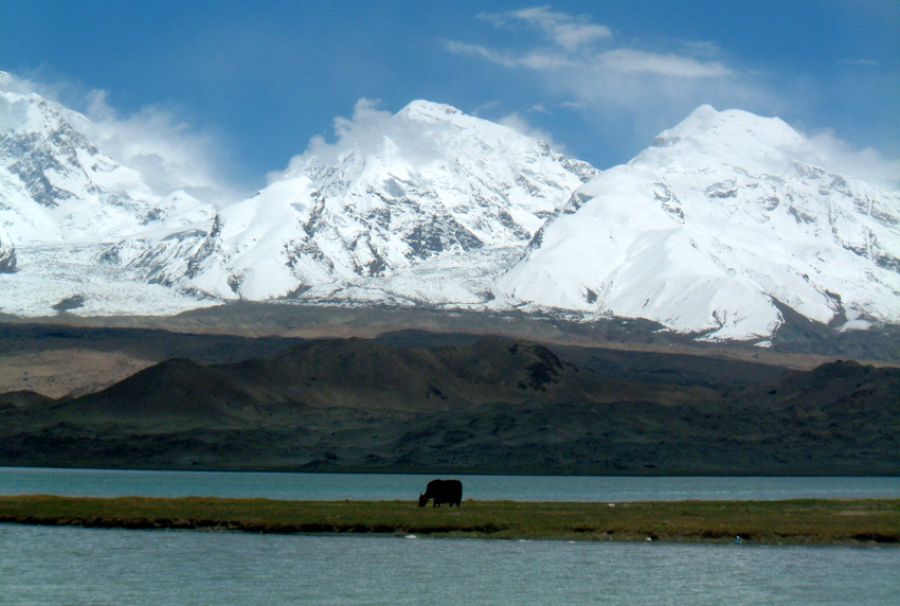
pixel 63 203
pixel 425 210
pixel 57 186
pixel 7 253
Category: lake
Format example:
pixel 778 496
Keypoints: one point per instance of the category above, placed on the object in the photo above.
pixel 324 486
pixel 67 565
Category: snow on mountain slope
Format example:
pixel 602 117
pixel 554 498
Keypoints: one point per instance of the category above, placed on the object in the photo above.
pixel 725 216
pixel 358 219
pixel 56 186
pixel 63 202
pixel 7 253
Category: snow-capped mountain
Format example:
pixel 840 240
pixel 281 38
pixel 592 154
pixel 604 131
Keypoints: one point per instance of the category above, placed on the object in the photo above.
pixel 430 189
pixel 726 220
pixel 62 202
pixel 725 217
pixel 57 186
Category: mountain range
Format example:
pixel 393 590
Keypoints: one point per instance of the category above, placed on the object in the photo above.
pixel 725 226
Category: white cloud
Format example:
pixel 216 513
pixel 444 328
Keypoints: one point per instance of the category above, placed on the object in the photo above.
pixel 631 92
pixel 699 48
pixel 539 60
pixel 570 32
pixel 671 65
pixel 366 123
pixel 582 64
pixel 167 151
pixel 368 130
pixel 482 108
pixel 519 124
pixel 619 60
pixel 835 154
pixel 373 131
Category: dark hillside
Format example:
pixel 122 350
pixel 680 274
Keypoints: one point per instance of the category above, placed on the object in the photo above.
pixel 489 405
pixel 172 393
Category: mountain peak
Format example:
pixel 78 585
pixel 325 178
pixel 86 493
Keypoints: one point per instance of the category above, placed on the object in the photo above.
pixel 57 185
pixel 429 109
pixel 715 226
pixel 392 195
pixel 731 128
pixel 717 229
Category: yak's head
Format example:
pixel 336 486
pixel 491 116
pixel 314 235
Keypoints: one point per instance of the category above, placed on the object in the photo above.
pixel 422 500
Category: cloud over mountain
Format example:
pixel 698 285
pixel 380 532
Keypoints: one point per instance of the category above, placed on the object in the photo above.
pixel 611 78
pixel 168 151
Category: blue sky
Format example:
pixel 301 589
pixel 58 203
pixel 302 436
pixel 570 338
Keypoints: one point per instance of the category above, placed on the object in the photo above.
pixel 248 84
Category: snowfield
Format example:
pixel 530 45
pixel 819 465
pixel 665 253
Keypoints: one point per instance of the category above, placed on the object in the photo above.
pixel 707 229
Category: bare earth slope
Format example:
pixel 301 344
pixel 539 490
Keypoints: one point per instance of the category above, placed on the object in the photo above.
pixel 488 405
pixel 64 354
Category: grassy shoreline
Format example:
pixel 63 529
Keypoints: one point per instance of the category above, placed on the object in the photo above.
pixel 807 521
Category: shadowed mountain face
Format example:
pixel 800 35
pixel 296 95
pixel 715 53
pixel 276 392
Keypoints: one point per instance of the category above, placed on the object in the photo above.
pixel 333 373
pixel 489 405
pixel 174 391
pixel 363 374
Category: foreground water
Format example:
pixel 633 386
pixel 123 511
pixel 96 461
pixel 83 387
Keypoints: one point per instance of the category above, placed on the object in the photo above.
pixel 63 565
pixel 324 486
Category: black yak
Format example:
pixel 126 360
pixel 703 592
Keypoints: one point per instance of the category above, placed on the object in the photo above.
pixel 442 491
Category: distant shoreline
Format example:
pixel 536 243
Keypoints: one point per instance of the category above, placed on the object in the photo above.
pixel 432 471
pixel 790 522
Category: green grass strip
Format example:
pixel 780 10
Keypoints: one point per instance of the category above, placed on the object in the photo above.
pixel 807 521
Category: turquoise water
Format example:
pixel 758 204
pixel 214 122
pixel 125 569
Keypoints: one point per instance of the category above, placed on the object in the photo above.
pixel 62 565
pixel 321 486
